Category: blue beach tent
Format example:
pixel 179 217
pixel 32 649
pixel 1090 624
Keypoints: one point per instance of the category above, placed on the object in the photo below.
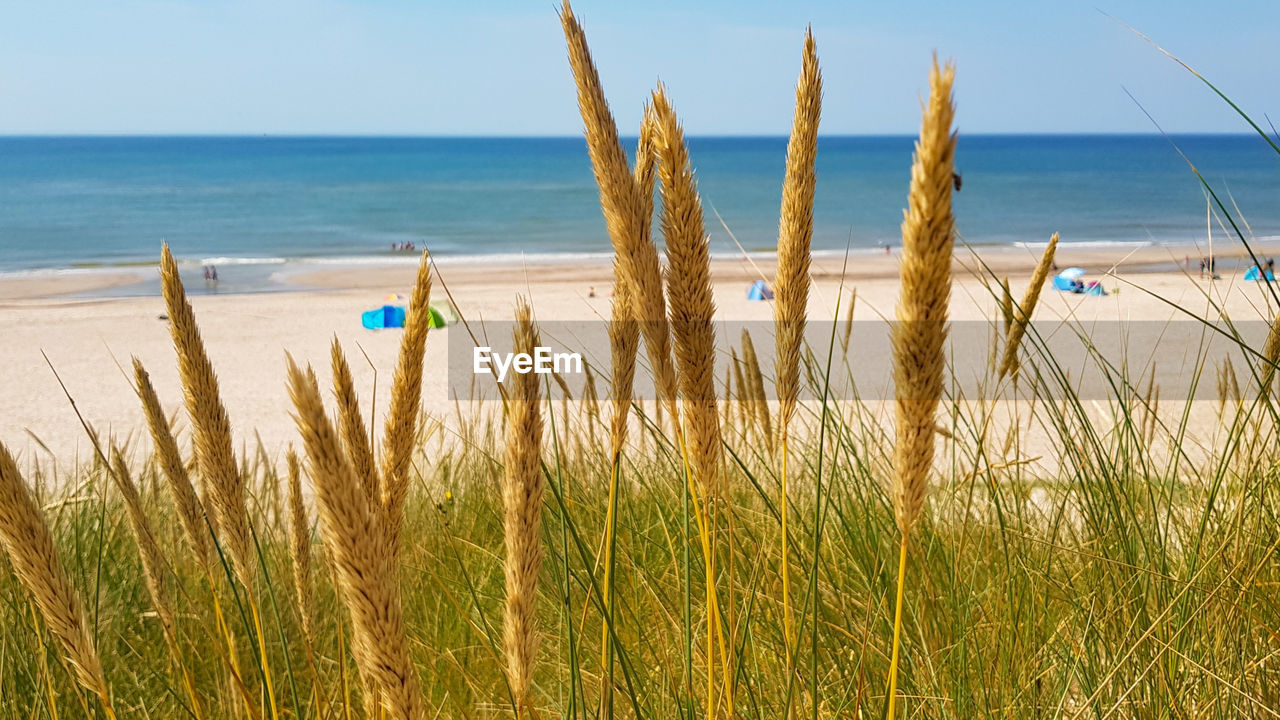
pixel 1254 275
pixel 759 291
pixel 392 316
pixel 387 316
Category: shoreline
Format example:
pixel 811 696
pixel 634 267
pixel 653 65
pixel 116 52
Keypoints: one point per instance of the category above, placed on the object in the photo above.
pixel 247 334
pixel 283 275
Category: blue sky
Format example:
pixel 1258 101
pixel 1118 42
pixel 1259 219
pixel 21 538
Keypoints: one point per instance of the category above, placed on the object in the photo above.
pixel 486 68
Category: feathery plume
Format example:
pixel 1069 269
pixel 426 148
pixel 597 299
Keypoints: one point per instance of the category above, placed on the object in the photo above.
pixel 211 427
pixel 626 200
pixel 928 230
pixel 359 547
pixel 153 564
pixel 26 537
pixel 406 400
pixel 755 386
pixel 791 284
pixel 355 438
pixel 624 340
pixel 1271 355
pixel 692 307
pixel 300 549
pixel 522 517
pixel 848 320
pixel 1006 305
pixel 1022 315
pixel 746 398
pixel 190 510
pixel 795 233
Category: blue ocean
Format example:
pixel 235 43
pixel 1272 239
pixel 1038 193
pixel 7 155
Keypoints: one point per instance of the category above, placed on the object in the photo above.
pixel 260 207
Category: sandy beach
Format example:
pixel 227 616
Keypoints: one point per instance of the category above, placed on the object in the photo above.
pixel 88 339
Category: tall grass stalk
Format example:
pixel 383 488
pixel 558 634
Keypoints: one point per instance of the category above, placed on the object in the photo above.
pixel 928 235
pixel 791 284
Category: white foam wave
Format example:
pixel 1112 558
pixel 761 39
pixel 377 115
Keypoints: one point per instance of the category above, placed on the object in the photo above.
pixel 1085 244
pixel 36 273
pixel 244 261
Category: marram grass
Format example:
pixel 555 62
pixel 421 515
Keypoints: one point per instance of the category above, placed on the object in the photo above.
pixel 1131 573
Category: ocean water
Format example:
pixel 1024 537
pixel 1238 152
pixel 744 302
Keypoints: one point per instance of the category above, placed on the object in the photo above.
pixel 262 207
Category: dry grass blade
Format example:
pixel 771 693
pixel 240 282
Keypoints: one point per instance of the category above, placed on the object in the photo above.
pixel 30 546
pixel 522 517
pixel 215 458
pixel 692 308
pixel 353 532
pixel 191 512
pixel 626 199
pixel 1022 315
pixel 406 399
pixel 355 437
pixel 795 233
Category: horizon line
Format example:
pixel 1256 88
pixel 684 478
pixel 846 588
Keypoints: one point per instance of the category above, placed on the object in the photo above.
pixel 578 136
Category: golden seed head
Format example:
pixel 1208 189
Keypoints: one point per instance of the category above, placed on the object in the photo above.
pixel 920 332
pixel 795 234
pixel 522 515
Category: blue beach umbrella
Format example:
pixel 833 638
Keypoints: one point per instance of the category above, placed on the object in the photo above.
pixel 1066 279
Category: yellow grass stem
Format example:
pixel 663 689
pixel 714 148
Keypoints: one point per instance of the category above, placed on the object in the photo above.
pixel 791 284
pixel 897 627
pixel 928 230
pixel 692 312
pixel 624 339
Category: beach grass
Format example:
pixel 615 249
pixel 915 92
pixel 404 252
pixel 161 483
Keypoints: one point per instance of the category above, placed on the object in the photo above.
pixel 920 563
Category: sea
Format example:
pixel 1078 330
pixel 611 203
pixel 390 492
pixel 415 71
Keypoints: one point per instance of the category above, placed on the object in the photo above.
pixel 261 209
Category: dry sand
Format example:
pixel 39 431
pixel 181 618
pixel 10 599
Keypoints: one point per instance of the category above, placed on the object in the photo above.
pixel 87 340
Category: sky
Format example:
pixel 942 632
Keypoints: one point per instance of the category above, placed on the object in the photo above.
pixel 498 67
